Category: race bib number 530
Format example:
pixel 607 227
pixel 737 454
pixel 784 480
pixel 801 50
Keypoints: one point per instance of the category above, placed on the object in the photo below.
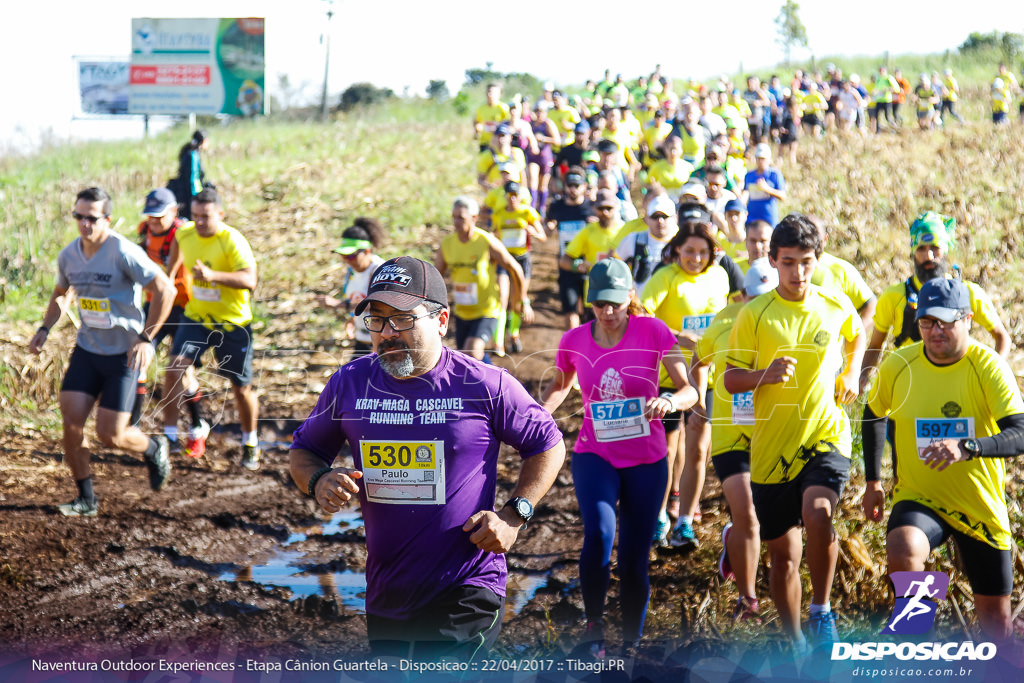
pixel 403 472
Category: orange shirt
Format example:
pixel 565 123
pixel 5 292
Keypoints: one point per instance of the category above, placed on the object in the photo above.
pixel 158 248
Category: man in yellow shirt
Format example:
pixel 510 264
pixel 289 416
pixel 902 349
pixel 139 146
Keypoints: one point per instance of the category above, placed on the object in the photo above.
pixel 218 315
pixel 931 237
pixel 798 348
pixel 471 255
pixel 488 116
pixel 958 415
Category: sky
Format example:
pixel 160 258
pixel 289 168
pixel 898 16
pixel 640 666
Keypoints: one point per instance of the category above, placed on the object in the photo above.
pixel 403 44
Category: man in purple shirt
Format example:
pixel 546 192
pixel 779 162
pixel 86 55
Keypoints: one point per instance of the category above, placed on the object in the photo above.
pixel 424 425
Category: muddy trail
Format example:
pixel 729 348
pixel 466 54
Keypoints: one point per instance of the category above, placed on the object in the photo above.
pixel 225 564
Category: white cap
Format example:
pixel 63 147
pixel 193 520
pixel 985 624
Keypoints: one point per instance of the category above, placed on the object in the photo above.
pixel 661 204
pixel 762 151
pixel 760 278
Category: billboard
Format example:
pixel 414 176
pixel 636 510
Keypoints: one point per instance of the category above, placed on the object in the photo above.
pixel 200 66
pixel 103 86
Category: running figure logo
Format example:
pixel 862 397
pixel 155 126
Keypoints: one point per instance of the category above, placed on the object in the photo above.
pixel 917 595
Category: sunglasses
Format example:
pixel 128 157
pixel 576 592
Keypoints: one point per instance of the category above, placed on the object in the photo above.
pixel 88 220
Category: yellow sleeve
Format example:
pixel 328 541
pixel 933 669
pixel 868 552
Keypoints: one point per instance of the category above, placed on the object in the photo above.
pixel 880 396
pixel 985 313
pixel 578 245
pixel 743 341
pixel 885 309
pixel 656 289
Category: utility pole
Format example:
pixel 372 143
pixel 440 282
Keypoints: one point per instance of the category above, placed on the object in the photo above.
pixel 327 59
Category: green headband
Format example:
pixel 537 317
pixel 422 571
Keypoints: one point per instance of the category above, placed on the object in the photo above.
pixel 350 246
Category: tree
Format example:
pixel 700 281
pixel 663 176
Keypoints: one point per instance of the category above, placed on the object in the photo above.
pixel 362 95
pixel 791 30
pixel 437 90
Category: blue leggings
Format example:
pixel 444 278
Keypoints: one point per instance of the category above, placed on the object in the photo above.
pixel 638 491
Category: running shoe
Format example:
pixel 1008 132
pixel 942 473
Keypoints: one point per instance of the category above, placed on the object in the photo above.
pixel 173 447
pixel 661 530
pixel 197 439
pixel 515 345
pixel 683 537
pixel 595 636
pixel 79 507
pixel 746 609
pixel 724 566
pixel 822 628
pixel 159 464
pixel 251 458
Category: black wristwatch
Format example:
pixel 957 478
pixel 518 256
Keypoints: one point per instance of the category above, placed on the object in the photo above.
pixel 523 507
pixel 971 447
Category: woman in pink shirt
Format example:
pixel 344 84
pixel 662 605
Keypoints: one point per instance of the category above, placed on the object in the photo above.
pixel 620 455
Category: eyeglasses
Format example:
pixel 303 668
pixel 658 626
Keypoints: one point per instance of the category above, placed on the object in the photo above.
pixel 90 220
pixel 606 304
pixel 398 323
pixel 659 217
pixel 349 257
pixel 929 323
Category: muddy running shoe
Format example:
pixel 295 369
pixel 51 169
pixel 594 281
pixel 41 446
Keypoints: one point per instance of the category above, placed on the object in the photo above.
pixel 747 609
pixel 251 458
pixel 595 636
pixel 822 628
pixel 515 345
pixel 159 464
pixel 724 566
pixel 79 507
pixel 661 530
pixel 173 447
pixel 682 536
pixel 197 439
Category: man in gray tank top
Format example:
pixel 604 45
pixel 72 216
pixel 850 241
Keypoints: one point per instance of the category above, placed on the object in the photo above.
pixel 114 343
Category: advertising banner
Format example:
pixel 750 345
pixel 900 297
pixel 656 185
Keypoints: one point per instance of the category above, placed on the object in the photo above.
pixel 103 86
pixel 201 66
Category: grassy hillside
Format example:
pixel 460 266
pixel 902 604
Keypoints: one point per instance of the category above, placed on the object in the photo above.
pixel 292 188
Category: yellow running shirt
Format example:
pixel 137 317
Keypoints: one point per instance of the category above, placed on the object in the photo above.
pixel 490 117
pixel 474 281
pixel 730 430
pixel 510 227
pixel 963 400
pixel 685 302
pixel 891 305
pixel 842 276
pixel 226 251
pixel 791 419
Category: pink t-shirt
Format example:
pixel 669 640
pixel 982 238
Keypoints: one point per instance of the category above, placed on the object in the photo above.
pixel 616 384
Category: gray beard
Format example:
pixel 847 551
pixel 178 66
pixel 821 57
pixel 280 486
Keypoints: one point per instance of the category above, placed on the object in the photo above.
pixel 399 365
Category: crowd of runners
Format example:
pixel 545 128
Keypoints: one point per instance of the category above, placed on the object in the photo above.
pixel 703 318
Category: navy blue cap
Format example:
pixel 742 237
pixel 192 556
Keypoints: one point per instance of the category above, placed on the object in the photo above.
pixel 947 299
pixel 735 205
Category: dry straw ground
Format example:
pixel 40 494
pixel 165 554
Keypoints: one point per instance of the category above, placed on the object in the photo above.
pixel 294 187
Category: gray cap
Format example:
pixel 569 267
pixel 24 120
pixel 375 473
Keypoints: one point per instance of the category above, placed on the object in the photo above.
pixel 610 280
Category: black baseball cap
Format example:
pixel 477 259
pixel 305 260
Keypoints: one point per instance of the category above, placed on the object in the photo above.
pixel 405 283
